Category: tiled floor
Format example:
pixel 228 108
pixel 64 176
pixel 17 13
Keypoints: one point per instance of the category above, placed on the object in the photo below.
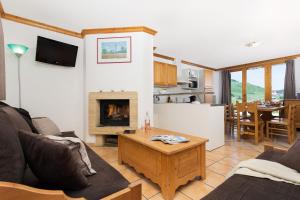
pixel 218 162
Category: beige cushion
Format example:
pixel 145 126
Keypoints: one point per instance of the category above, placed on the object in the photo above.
pixel 45 126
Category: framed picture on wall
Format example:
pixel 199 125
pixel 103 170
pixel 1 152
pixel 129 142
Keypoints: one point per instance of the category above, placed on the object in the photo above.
pixel 114 50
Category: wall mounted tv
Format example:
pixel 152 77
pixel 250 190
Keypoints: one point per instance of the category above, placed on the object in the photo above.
pixel 55 52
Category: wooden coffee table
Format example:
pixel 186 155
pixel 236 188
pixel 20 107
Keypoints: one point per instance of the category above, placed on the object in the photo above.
pixel 167 165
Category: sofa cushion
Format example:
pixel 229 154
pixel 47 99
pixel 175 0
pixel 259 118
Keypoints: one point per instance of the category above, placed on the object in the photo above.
pixel 16 119
pixel 12 162
pixel 106 182
pixel 52 162
pixel 79 152
pixel 26 116
pixel 45 126
pixel 292 159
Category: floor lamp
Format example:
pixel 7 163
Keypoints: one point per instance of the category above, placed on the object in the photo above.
pixel 18 50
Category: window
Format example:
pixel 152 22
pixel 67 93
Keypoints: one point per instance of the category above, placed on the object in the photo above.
pixel 278 74
pixel 236 87
pixel 255 87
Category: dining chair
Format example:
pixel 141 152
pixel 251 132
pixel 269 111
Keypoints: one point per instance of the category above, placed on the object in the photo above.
pixel 253 125
pixel 284 126
pixel 229 118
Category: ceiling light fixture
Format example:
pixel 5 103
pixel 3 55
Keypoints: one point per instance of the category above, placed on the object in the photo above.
pixel 253 44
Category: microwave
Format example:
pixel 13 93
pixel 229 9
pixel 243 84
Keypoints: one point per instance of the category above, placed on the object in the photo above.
pixel 191 85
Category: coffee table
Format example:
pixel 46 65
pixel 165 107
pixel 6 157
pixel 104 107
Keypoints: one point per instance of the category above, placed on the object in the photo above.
pixel 167 165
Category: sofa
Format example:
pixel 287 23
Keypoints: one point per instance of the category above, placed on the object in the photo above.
pixel 242 187
pixel 107 183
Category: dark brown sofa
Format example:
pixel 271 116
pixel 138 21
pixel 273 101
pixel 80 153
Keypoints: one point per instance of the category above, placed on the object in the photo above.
pixel 240 187
pixel 107 183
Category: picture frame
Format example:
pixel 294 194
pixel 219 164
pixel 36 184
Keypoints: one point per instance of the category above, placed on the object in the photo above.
pixel 114 50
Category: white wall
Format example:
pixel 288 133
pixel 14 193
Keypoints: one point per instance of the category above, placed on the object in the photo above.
pixel 135 76
pixel 47 90
pixel 200 120
pixel 297 74
pixel 217 85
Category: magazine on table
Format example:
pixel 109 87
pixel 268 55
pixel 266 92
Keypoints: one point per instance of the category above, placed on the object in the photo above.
pixel 169 139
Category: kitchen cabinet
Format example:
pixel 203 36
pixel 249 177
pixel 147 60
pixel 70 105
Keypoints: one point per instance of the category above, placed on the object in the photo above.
pixel 172 75
pixel 165 75
pixel 208 87
pixel 208 79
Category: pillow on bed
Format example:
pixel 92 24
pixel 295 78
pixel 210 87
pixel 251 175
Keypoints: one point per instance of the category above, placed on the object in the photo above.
pixel 292 158
pixel 51 162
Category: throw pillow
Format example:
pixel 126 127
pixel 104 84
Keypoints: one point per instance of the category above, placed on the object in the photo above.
pixel 79 152
pixel 45 126
pixel 51 162
pixel 292 159
pixel 16 119
pixel 12 162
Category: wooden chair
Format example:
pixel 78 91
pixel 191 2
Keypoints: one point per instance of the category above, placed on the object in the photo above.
pixel 295 102
pixel 253 125
pixel 229 118
pixel 284 126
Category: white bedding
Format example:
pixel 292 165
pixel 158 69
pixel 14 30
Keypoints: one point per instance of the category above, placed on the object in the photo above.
pixel 266 169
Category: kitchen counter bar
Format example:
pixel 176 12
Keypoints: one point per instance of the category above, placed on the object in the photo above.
pixel 201 120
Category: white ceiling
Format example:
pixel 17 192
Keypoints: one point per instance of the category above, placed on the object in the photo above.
pixel 207 32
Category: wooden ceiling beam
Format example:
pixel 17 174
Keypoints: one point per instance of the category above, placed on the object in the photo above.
pixel 145 29
pixel 260 63
pixel 2 13
pixel 41 25
pixel 197 65
pixel 163 56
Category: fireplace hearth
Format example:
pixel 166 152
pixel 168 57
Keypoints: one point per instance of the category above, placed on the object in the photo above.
pixel 114 112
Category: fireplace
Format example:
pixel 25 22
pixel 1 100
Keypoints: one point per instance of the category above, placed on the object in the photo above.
pixel 111 113
pixel 114 112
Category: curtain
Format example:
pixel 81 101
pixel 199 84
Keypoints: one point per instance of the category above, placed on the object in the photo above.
pixel 226 87
pixel 289 80
pixel 2 64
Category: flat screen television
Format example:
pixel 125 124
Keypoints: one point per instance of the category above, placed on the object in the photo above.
pixel 55 52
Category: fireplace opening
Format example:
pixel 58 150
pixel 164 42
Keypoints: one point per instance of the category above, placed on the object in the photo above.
pixel 114 112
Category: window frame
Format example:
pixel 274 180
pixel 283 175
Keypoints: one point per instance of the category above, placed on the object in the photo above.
pixel 267 75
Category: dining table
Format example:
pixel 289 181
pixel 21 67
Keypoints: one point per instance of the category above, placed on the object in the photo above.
pixel 265 112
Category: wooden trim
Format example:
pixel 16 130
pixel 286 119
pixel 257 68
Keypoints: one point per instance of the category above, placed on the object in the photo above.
pixel 244 85
pixel 85 32
pixel 16 191
pixel 197 65
pixel 1 10
pixel 163 56
pixel 40 25
pixel 133 192
pixel 268 82
pixel 261 63
pixel 270 147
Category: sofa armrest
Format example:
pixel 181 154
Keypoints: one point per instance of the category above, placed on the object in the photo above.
pixel 10 191
pixel 271 147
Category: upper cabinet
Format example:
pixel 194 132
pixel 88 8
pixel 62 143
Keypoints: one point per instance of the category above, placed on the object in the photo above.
pixel 208 79
pixel 165 75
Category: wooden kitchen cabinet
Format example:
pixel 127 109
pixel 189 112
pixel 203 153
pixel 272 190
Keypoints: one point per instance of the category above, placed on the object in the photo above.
pixel 165 75
pixel 172 75
pixel 208 79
